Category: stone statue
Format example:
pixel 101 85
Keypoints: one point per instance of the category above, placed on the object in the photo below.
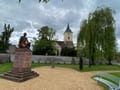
pixel 23 42
pixel 21 70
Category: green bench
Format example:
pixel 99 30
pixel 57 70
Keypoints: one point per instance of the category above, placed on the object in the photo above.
pixel 111 81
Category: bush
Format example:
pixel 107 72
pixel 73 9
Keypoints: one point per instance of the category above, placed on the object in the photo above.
pixel 68 52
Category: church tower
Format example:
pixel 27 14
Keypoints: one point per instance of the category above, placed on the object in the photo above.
pixel 68 34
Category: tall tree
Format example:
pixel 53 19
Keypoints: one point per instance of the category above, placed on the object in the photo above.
pixel 44 44
pixel 5 37
pixel 97 36
pixel 40 1
pixel 81 43
pixel 105 25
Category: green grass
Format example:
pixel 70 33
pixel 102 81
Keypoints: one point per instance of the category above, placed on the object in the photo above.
pixel 8 66
pixel 5 67
pixel 93 68
pixel 103 85
pixel 116 74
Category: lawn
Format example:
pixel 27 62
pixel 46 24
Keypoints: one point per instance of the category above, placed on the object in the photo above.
pixel 8 66
pixel 116 74
pixel 93 68
pixel 5 67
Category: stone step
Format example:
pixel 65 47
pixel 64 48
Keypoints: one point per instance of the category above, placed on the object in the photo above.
pixel 18 79
pixel 20 75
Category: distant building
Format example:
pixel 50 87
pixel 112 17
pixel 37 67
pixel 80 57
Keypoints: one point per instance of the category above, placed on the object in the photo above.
pixel 68 41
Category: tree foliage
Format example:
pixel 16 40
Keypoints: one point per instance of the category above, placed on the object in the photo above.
pixel 38 0
pixel 46 33
pixel 44 44
pixel 97 36
pixel 68 51
pixel 5 37
pixel 45 1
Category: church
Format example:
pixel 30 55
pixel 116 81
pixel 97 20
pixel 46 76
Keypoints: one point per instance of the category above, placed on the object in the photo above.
pixel 68 41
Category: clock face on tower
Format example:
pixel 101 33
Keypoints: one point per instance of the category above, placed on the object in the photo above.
pixel 68 38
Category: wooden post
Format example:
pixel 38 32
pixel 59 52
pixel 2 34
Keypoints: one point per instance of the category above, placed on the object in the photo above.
pixel 52 63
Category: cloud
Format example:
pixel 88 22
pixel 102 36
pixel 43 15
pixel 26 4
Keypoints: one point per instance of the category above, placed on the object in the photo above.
pixel 30 15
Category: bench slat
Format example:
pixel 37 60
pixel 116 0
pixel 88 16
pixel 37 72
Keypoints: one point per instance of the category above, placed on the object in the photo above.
pixel 109 76
pixel 112 86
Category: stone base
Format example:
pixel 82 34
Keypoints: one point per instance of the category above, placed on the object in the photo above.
pixel 19 77
pixel 21 70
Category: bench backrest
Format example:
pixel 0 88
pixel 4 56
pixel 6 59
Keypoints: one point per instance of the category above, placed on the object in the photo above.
pixel 110 77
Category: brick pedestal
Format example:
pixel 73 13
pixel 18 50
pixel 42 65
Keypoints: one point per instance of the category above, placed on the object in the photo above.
pixel 21 67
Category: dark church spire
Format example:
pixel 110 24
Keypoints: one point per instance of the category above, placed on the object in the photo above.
pixel 68 29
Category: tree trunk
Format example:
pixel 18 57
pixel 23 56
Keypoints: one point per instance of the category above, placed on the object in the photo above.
pixel 109 62
pixel 81 63
pixel 92 61
pixel 92 57
pixel 89 64
pixel 52 63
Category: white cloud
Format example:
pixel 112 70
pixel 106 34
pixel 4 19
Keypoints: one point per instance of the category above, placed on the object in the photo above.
pixel 118 45
pixel 31 15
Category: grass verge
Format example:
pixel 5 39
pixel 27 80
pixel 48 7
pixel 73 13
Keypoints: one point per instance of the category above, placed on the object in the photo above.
pixel 8 66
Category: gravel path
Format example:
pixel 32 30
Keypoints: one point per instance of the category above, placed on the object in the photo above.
pixel 54 79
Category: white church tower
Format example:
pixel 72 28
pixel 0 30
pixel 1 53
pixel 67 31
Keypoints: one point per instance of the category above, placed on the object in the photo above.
pixel 68 35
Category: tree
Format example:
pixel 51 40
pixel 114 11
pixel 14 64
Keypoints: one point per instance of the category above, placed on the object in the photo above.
pixel 39 1
pixel 97 36
pixel 81 43
pixel 68 51
pixel 46 33
pixel 5 37
pixel 104 24
pixel 44 44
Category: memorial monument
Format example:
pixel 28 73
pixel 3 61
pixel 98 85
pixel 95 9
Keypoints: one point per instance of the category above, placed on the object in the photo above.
pixel 22 63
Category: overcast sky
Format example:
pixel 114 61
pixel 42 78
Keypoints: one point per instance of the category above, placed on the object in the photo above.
pixel 30 15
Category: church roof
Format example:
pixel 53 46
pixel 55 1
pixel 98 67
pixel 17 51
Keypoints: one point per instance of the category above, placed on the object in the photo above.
pixel 68 29
pixel 68 44
pixel 61 43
